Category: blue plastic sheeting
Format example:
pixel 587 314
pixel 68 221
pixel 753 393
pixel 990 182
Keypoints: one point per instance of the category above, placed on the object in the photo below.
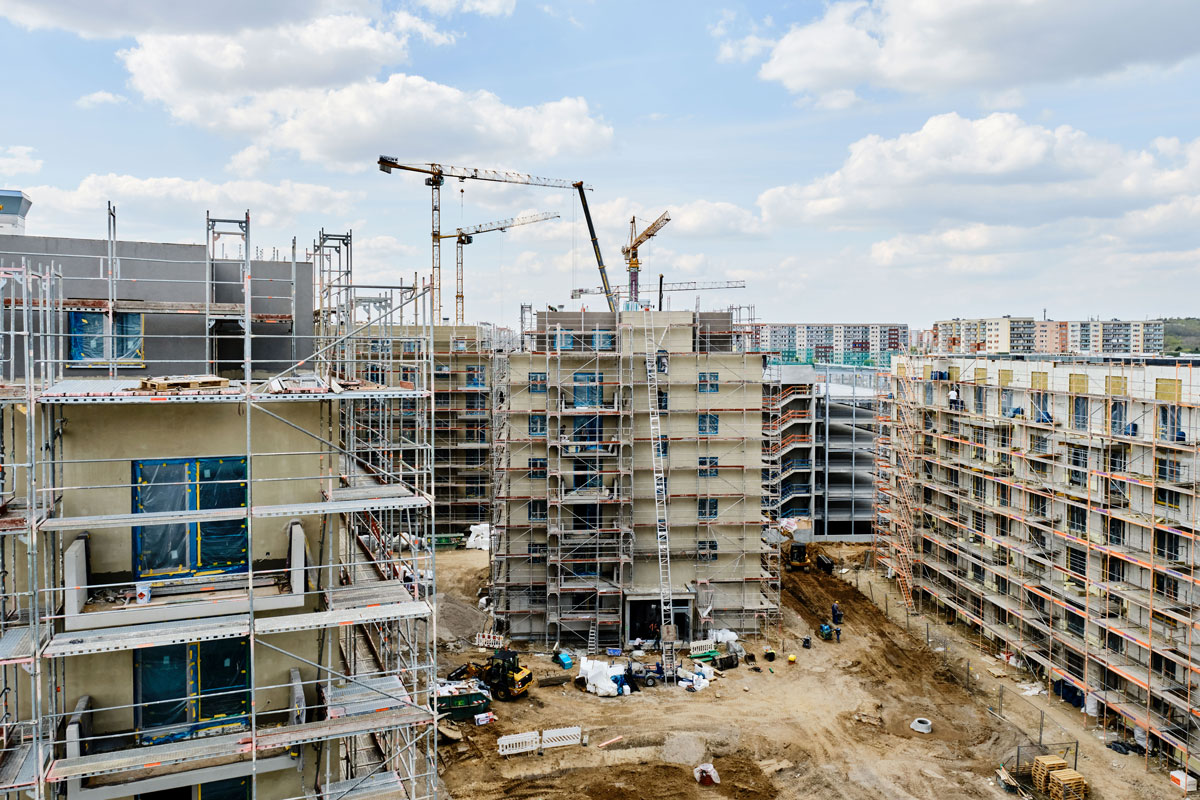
pixel 87 331
pixel 189 548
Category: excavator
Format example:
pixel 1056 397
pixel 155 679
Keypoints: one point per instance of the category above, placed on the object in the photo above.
pixel 503 674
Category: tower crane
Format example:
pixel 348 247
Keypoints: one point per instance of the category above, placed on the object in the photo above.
pixel 437 174
pixel 630 251
pixel 464 236
pixel 682 286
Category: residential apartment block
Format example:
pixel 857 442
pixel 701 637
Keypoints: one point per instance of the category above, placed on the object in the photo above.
pixel 1028 335
pixel 575 556
pixel 1052 506
pixel 834 341
pixel 215 581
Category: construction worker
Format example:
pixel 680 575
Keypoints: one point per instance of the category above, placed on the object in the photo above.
pixel 838 633
pixel 837 613
pixel 953 399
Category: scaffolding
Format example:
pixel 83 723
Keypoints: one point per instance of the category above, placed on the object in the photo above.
pixel 246 534
pixel 1052 506
pixel 575 403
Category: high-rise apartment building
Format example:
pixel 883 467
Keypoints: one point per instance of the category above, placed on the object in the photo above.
pixel 1051 505
pixel 575 556
pixel 1028 335
pixel 836 342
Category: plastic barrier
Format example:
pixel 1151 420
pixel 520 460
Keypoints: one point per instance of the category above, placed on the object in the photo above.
pixel 702 646
pixel 490 640
pixel 519 743
pixel 561 737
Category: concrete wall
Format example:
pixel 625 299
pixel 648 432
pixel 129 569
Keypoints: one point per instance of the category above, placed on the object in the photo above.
pixel 153 271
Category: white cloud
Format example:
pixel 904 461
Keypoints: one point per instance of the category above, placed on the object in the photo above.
pixel 487 8
pixel 100 98
pixel 248 161
pixel 18 159
pixel 114 18
pixel 998 168
pixel 315 89
pixel 988 45
pixel 271 204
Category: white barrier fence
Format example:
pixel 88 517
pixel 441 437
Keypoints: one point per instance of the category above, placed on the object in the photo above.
pixel 702 646
pixel 561 737
pixel 519 743
pixel 492 641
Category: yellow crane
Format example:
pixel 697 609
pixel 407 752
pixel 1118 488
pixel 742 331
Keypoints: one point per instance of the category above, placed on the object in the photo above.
pixel 464 236
pixel 630 251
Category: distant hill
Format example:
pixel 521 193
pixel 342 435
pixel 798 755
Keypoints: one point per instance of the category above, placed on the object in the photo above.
pixel 1181 334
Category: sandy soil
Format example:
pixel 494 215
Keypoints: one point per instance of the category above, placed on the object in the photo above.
pixel 810 714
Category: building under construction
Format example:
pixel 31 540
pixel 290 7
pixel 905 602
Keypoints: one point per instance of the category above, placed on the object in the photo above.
pixel 463 359
pixel 827 421
pixel 579 472
pixel 215 571
pixel 1052 504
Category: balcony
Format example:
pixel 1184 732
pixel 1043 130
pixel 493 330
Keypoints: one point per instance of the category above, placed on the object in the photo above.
pixel 177 598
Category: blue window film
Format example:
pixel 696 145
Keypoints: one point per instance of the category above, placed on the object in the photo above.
pixel 707 507
pixel 189 548
pixel 87 336
pixel 708 466
pixel 537 468
pixel 537 424
pixel 708 424
pixel 537 382
pixel 588 391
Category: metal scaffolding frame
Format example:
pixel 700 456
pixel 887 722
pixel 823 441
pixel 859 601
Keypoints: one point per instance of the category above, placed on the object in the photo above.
pixel 1055 512
pixel 732 576
pixel 350 482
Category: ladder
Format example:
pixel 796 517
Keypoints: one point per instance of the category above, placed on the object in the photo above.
pixel 593 645
pixel 662 530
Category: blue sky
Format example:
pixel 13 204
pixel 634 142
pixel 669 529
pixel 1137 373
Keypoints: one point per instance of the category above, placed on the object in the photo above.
pixel 900 160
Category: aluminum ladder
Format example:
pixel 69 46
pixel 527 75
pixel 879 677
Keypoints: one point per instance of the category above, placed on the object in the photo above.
pixel 662 529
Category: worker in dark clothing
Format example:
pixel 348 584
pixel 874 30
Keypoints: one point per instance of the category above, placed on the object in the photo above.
pixel 837 613
pixel 838 633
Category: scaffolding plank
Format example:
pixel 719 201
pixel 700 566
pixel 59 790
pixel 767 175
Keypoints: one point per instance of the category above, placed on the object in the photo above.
pixel 19 767
pixel 377 591
pixel 155 634
pixel 16 645
pixel 218 514
pixel 225 744
pixel 380 786
pixel 128 520
pixel 351 616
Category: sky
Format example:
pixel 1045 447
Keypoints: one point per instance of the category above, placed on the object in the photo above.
pixel 849 160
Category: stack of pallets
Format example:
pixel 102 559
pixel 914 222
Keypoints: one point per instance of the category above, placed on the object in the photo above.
pixel 1043 766
pixel 1067 784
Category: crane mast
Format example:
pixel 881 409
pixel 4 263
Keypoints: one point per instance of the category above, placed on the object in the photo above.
pixel 437 174
pixel 636 240
pixel 464 236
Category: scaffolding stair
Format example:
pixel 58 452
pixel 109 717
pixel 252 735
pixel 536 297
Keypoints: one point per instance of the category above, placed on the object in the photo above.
pixel 662 528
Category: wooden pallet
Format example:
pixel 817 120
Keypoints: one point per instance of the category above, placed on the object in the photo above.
pixel 1043 766
pixel 169 383
pixel 1067 784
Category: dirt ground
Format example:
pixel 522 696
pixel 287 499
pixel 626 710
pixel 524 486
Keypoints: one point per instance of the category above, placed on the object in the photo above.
pixel 837 720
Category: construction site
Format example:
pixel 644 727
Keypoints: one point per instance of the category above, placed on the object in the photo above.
pixel 271 531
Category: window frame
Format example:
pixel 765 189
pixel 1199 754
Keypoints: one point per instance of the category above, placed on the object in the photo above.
pixel 708 424
pixel 707 508
pixel 107 340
